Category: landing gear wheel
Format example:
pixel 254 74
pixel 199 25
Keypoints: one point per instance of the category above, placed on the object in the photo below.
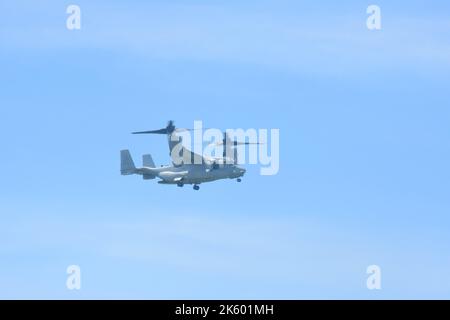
pixel 239 179
pixel 196 187
pixel 180 184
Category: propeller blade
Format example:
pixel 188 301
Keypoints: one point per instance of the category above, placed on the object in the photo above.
pixel 242 143
pixel 160 131
pixel 168 129
pixel 220 143
pixel 186 129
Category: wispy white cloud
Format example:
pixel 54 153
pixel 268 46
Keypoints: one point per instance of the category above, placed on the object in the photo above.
pixel 216 244
pixel 220 34
pixel 301 256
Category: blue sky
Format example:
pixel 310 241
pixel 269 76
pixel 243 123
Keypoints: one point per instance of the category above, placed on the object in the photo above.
pixel 364 149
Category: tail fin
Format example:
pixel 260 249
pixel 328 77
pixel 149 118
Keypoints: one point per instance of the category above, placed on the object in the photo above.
pixel 126 163
pixel 147 161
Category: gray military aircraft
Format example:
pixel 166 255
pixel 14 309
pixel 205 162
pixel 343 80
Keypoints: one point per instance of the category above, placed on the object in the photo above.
pixel 188 167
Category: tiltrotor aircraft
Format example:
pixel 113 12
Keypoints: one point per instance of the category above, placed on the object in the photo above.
pixel 188 167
